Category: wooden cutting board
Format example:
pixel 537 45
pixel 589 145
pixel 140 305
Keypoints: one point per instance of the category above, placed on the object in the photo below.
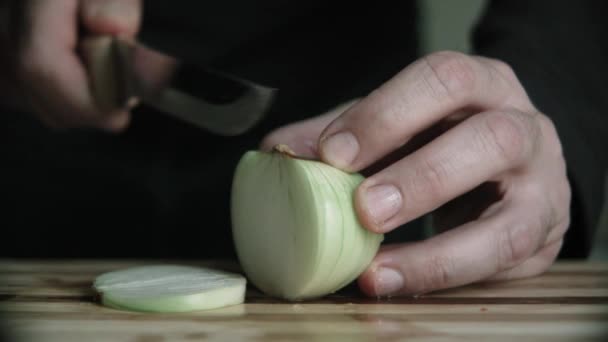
pixel 52 301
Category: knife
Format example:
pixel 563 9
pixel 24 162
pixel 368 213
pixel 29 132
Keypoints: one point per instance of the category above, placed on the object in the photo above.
pixel 124 73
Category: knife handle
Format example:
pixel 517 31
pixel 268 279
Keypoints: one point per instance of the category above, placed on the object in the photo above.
pixel 107 73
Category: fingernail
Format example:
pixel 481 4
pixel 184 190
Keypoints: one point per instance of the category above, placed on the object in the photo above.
pixel 382 202
pixel 340 149
pixel 388 281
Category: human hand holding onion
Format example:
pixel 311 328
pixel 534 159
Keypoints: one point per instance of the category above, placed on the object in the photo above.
pixel 456 136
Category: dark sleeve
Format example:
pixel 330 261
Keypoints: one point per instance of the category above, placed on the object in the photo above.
pixel 559 50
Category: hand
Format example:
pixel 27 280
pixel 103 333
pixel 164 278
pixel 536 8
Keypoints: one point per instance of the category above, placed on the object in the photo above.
pixel 457 136
pixel 43 72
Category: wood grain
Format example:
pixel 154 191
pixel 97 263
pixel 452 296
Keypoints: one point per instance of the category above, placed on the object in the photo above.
pixel 53 301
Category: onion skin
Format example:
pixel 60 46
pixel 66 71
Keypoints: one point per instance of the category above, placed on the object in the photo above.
pixel 294 225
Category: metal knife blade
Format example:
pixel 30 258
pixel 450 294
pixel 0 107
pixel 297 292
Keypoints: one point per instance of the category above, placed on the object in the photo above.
pixel 124 73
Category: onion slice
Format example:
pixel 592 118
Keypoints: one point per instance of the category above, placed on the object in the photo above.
pixel 170 288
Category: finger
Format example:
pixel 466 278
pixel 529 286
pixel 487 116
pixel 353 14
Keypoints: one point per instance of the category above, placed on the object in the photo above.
pixel 473 152
pixel 536 265
pixel 53 73
pixel 302 136
pixel 421 95
pixel 467 254
pixel 114 17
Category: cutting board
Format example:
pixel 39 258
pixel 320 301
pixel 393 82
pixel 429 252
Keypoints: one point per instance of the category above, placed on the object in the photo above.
pixel 53 301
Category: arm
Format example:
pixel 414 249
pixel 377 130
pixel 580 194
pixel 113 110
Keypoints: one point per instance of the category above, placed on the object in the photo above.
pixel 558 49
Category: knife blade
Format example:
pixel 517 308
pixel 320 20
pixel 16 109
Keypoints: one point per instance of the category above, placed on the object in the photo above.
pixel 125 73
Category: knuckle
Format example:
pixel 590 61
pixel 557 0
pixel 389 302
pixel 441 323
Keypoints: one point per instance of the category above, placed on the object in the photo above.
pixel 437 274
pixel 550 210
pixel 547 256
pixel 453 73
pixel 507 135
pixel 504 70
pixel 430 179
pixel 553 252
pixel 516 244
pixel 503 73
pixel 556 248
pixel 382 116
pixel 550 135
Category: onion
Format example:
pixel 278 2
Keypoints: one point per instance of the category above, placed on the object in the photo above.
pixel 294 225
pixel 170 288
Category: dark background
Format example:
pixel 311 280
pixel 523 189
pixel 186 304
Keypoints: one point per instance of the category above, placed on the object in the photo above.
pixel 161 189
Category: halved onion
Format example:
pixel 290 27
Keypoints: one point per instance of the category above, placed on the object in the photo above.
pixel 294 225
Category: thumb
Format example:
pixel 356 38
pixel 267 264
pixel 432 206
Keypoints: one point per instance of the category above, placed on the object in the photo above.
pixel 114 17
pixel 302 137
